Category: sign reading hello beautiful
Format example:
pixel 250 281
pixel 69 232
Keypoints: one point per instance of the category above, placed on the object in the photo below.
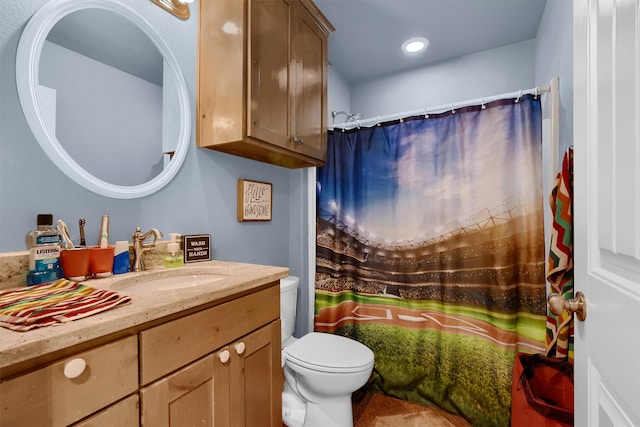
pixel 254 200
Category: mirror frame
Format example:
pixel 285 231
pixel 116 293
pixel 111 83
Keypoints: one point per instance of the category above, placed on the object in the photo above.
pixel 27 80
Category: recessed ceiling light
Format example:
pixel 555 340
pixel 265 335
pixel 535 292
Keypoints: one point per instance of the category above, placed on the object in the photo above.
pixel 415 45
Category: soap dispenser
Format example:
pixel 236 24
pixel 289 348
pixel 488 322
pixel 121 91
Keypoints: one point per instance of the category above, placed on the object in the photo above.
pixel 175 259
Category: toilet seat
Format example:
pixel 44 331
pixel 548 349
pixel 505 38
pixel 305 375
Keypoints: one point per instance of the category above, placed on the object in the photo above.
pixel 324 352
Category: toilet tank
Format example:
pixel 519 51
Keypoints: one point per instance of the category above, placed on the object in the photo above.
pixel 288 300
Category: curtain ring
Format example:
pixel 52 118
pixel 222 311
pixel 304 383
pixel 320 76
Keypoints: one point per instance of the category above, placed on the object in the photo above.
pixel 378 121
pixel 453 111
pixel 426 115
pixel 519 96
pixel 482 104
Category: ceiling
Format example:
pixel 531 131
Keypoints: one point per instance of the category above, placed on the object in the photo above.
pixel 369 33
pixel 365 44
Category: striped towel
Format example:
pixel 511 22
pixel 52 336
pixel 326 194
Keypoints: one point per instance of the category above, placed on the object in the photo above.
pixel 560 270
pixel 53 303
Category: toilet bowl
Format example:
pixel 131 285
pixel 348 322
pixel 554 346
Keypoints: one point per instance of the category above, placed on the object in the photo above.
pixel 321 371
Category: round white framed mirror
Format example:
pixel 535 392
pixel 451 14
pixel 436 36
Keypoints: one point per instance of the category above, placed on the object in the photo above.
pixel 161 116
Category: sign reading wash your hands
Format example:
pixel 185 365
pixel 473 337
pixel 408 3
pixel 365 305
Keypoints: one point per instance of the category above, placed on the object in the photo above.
pixel 254 200
pixel 197 247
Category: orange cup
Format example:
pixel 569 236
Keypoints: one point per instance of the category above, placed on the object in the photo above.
pixel 75 263
pixel 101 261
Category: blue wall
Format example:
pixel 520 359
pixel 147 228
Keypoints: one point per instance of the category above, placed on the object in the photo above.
pixel 201 199
pixel 554 58
pixel 491 72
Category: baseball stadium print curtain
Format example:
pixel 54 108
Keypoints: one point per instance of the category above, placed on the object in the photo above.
pixel 430 251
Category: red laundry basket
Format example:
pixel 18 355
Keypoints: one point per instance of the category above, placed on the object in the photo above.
pixel 541 392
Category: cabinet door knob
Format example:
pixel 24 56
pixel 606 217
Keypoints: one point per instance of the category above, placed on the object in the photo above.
pixel 240 347
pixel 74 368
pixel 224 356
pixel 297 139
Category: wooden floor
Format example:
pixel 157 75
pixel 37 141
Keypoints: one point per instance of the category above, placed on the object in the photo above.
pixel 373 409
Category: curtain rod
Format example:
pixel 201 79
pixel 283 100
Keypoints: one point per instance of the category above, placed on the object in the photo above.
pixel 439 108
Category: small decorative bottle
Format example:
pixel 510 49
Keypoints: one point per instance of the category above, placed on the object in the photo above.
pixel 44 252
pixel 175 259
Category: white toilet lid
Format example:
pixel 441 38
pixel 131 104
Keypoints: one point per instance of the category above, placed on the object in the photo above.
pixel 331 353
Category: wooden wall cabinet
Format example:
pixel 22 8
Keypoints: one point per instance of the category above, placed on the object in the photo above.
pixel 262 80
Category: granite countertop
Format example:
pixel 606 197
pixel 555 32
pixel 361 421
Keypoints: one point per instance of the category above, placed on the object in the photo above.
pixel 16 347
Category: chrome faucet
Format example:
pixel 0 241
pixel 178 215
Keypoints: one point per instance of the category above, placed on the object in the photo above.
pixel 140 247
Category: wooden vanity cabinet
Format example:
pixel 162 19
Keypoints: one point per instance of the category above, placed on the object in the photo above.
pixel 220 366
pixel 228 361
pixel 262 80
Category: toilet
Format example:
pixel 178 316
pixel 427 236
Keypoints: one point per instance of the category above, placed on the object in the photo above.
pixel 321 370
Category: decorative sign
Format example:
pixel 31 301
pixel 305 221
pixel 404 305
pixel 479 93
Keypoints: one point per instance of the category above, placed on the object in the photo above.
pixel 197 247
pixel 254 200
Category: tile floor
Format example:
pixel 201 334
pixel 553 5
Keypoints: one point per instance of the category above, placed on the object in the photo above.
pixel 374 409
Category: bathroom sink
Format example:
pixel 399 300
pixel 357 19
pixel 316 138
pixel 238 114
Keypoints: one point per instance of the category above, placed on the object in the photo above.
pixel 162 283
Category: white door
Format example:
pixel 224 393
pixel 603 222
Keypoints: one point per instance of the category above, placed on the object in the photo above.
pixel 607 211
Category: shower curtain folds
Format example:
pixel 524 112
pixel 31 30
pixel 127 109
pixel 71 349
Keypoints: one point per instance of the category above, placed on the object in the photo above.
pixel 430 250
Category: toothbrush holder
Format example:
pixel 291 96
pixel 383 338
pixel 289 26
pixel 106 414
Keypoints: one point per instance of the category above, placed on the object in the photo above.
pixel 75 264
pixel 101 261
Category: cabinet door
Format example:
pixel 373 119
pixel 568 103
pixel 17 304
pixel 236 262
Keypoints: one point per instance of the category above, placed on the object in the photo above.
pixel 268 109
pixel 185 398
pixel 309 62
pixel 256 378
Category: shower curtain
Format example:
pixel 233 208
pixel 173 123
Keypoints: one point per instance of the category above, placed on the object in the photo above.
pixel 430 251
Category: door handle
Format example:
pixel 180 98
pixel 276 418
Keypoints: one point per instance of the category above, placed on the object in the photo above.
pixel 577 305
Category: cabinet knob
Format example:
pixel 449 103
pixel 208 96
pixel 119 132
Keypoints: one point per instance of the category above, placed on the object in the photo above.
pixel 74 368
pixel 224 356
pixel 297 139
pixel 240 348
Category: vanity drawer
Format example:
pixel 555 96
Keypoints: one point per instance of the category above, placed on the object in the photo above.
pixel 48 397
pixel 125 413
pixel 172 345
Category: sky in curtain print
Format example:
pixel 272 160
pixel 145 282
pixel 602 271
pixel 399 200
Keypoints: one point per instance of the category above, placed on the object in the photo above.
pixel 411 179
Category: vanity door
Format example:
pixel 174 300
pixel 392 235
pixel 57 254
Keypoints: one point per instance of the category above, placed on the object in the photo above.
pixel 256 378
pixel 185 398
